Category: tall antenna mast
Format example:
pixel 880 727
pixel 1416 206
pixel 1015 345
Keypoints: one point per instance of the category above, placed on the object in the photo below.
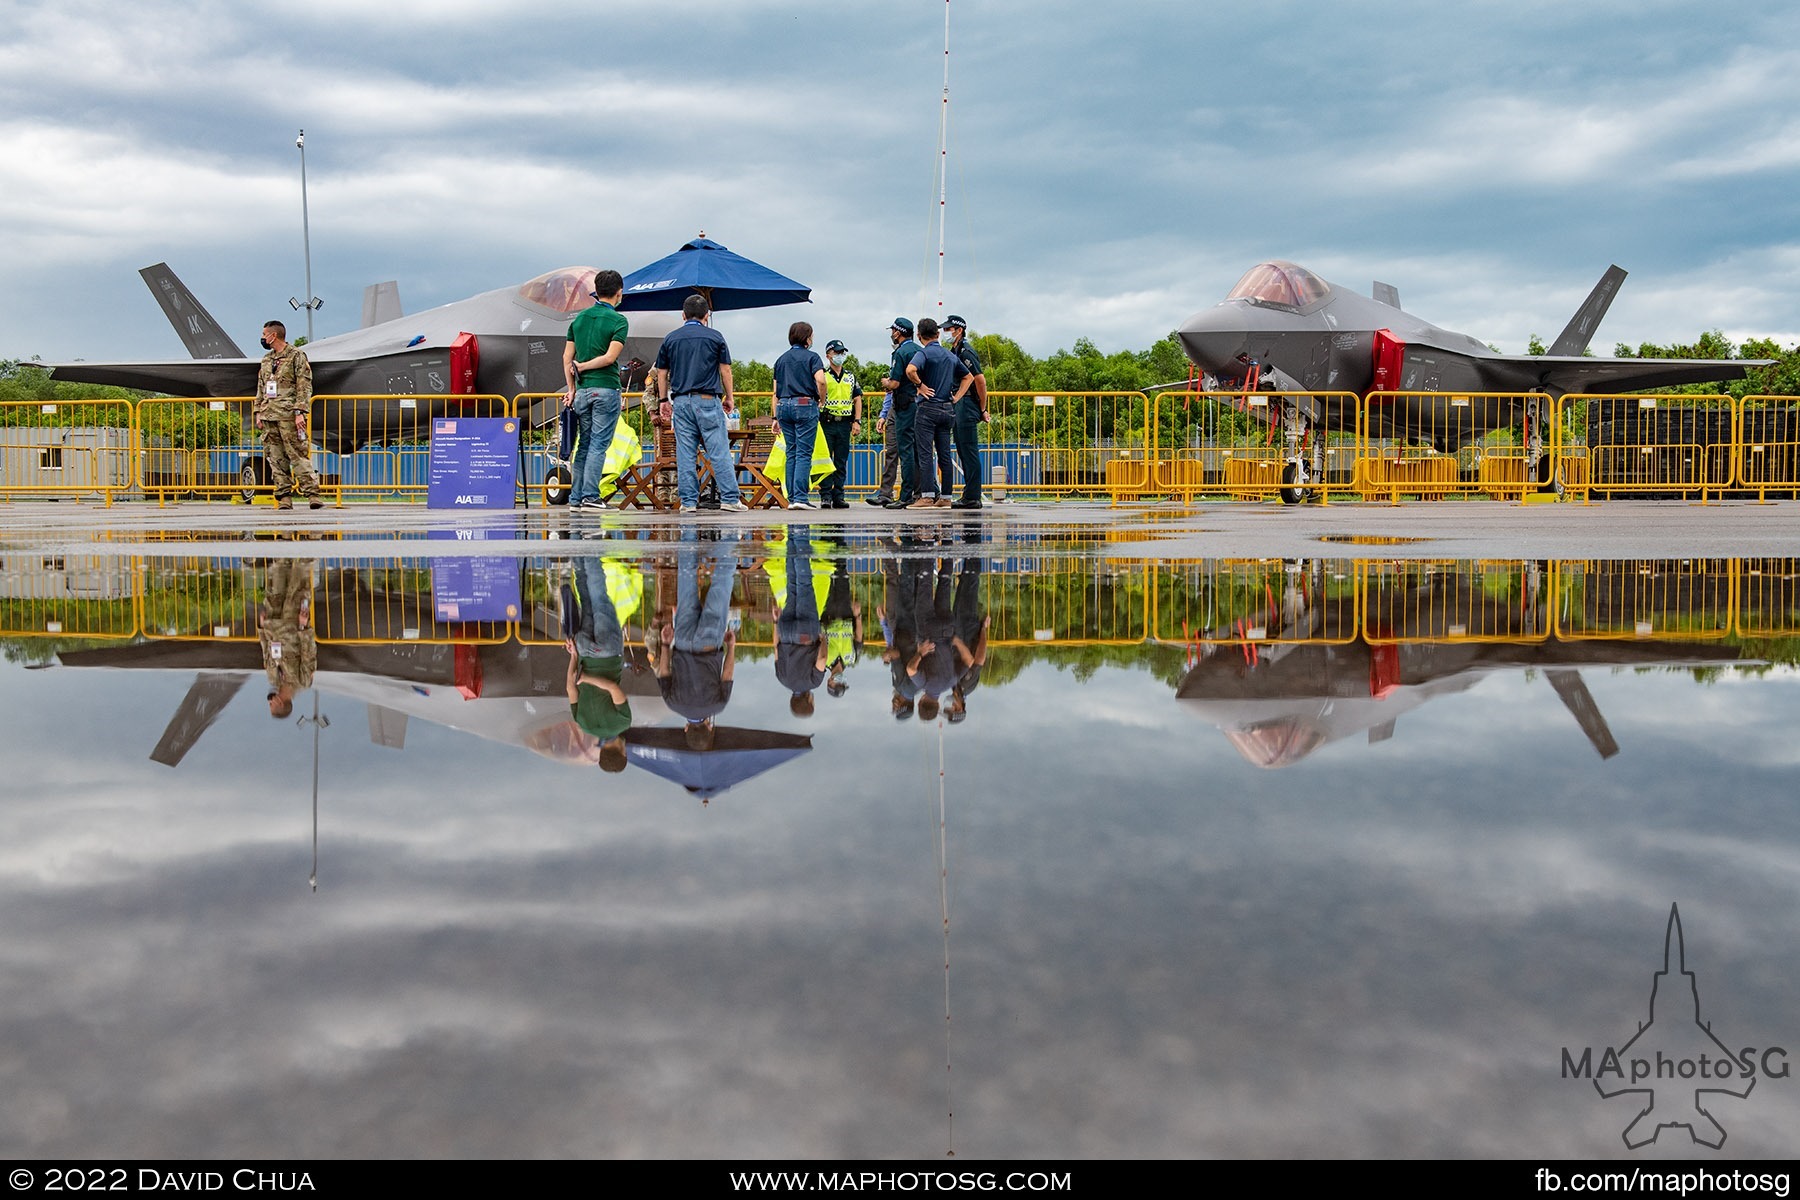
pixel 943 156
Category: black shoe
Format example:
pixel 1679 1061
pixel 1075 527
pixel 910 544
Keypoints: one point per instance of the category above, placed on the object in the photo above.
pixel 877 501
pixel 898 504
pixel 965 504
pixel 840 504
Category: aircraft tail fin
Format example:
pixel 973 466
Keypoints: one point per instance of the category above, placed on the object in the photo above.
pixel 381 303
pixel 1580 330
pixel 1387 293
pixel 193 324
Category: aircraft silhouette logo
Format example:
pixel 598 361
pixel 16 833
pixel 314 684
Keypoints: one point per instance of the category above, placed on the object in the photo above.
pixel 1676 1052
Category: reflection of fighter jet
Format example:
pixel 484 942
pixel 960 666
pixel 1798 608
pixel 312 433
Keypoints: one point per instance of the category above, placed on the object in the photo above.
pixel 499 343
pixel 509 692
pixel 1311 675
pixel 1283 329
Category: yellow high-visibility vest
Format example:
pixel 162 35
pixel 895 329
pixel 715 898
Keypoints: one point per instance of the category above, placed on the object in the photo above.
pixel 838 401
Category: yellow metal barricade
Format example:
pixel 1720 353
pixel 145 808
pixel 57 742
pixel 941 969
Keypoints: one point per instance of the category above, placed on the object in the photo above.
pixel 372 447
pixel 1768 597
pixel 1234 445
pixel 1430 445
pixel 67 448
pixel 1655 446
pixel 201 599
pixel 1768 446
pixel 195 448
pixel 1066 443
pixel 542 470
pixel 1253 602
pixel 370 601
pixel 1665 599
pixel 1436 601
pixel 68 596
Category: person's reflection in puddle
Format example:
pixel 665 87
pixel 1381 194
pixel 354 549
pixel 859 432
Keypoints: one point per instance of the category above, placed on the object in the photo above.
pixel 596 646
pixel 800 646
pixel 971 643
pixel 290 649
pixel 698 651
pixel 843 620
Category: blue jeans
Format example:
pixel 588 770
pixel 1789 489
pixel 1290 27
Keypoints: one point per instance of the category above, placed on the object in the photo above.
pixel 700 424
pixel 597 410
pixel 701 626
pixel 799 429
pixel 598 635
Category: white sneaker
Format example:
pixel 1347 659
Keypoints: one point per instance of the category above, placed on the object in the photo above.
pixel 689 509
pixel 803 504
pixel 734 506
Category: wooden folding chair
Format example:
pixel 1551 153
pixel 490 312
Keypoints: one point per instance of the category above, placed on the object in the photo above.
pixel 651 484
pixel 759 490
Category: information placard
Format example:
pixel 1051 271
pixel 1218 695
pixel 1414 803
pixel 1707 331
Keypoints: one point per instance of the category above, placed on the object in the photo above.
pixel 474 462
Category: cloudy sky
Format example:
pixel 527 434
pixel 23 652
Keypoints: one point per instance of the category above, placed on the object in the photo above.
pixel 1113 168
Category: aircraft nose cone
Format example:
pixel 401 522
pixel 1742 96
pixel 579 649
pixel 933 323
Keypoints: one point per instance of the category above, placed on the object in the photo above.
pixel 1214 338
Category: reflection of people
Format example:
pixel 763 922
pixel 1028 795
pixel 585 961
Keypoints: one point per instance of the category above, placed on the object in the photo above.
pixel 898 619
pixel 693 370
pixel 800 646
pixel 939 658
pixel 290 650
pixel 843 622
pixel 591 370
pixel 596 646
pixel 971 638
pixel 935 371
pixel 841 419
pixel 284 389
pixel 971 411
pixel 699 649
pixel 799 396
pixel 902 392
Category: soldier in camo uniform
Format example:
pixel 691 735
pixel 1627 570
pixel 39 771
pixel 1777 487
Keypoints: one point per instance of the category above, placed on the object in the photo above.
pixel 283 402
pixel 284 626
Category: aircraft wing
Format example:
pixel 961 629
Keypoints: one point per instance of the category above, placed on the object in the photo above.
pixel 1606 375
pixel 180 377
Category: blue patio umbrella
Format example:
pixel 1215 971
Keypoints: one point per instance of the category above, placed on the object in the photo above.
pixel 736 755
pixel 727 281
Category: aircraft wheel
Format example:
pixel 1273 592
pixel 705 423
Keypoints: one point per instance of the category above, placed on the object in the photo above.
pixel 252 475
pixel 557 485
pixel 1291 477
pixel 1548 479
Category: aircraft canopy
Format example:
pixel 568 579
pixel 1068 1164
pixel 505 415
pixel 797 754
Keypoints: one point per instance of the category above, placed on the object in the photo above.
pixel 568 289
pixel 1280 283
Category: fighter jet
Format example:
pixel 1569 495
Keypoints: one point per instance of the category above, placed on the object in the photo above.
pixel 502 343
pixel 1284 330
pixel 1303 671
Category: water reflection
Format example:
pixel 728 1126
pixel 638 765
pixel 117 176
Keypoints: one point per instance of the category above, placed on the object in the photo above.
pixel 1161 948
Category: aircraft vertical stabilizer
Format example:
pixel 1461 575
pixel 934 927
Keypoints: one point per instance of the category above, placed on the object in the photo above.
pixel 1580 331
pixel 1387 293
pixel 195 326
pixel 381 303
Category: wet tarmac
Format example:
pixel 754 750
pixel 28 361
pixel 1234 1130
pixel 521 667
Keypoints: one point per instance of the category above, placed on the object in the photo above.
pixel 1054 831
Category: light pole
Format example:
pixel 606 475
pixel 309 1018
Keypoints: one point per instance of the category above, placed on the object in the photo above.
pixel 312 302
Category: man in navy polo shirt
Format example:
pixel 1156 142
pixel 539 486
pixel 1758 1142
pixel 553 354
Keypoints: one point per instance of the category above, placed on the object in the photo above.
pixel 934 371
pixel 901 394
pixel 971 410
pixel 693 369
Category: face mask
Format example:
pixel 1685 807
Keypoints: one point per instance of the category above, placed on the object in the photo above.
pixel 265 344
pixel 837 360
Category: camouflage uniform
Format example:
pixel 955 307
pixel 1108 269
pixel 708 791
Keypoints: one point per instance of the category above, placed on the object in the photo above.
pixel 290 457
pixel 289 648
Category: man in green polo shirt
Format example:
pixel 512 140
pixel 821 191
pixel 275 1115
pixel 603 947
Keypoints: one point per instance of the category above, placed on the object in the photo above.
pixel 591 370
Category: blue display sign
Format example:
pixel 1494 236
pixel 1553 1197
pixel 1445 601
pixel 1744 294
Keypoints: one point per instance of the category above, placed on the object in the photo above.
pixel 474 462
pixel 484 588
